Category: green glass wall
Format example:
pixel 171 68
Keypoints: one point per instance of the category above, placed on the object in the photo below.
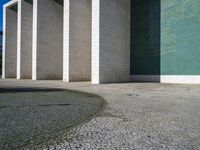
pixel 165 37
pixel 180 37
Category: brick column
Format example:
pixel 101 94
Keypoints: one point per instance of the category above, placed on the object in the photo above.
pixel 10 40
pixel 77 40
pixel 110 41
pixel 47 40
pixel 24 46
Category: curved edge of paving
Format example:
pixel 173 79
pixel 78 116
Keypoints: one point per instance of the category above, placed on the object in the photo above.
pixel 69 131
pixel 23 98
pixel 96 114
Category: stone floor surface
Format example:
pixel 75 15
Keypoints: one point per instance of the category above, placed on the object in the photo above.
pixel 140 116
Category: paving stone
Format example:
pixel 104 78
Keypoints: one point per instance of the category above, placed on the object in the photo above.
pixel 161 116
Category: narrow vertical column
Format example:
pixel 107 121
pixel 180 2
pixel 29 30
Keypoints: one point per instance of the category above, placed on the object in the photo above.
pixel 47 40
pixel 34 40
pixel 111 41
pixel 24 46
pixel 4 44
pixel 10 40
pixel 95 41
pixel 77 40
pixel 66 40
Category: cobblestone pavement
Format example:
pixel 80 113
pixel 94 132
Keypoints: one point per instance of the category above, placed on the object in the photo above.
pixel 138 116
pixel 36 117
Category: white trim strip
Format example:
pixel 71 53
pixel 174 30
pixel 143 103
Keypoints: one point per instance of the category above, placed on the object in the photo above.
pixel 11 3
pixel 179 79
pixel 34 40
pixel 95 42
pixel 19 14
pixel 4 44
pixel 187 79
pixel 66 28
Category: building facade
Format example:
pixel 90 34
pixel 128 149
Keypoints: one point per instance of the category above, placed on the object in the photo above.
pixel 102 41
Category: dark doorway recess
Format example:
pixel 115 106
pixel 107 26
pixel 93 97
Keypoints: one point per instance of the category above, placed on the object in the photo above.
pixel 145 37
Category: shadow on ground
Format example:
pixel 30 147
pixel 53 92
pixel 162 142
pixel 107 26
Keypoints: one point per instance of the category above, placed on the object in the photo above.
pixel 24 90
pixel 34 117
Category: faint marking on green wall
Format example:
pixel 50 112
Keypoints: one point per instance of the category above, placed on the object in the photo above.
pixel 180 37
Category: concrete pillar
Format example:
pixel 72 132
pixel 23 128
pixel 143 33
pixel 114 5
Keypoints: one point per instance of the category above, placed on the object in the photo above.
pixel 10 40
pixel 47 40
pixel 24 46
pixel 110 41
pixel 77 40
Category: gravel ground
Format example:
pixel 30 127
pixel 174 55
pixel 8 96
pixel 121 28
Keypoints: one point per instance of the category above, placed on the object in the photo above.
pixel 35 117
pixel 138 116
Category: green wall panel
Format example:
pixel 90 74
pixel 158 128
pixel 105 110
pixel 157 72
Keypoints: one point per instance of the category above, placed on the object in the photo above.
pixel 165 37
pixel 180 37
